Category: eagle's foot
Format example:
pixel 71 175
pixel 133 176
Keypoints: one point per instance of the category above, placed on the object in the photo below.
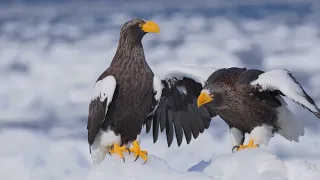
pixel 250 145
pixel 138 152
pixel 118 150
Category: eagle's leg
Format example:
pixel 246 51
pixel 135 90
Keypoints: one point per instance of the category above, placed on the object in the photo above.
pixel 138 152
pixel 118 150
pixel 250 145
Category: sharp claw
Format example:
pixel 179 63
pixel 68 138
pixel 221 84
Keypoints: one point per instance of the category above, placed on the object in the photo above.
pixel 235 148
pixel 136 158
pixel 144 162
pixel 118 150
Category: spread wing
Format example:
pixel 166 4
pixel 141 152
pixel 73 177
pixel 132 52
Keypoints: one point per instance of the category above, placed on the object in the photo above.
pixel 175 108
pixel 102 96
pixel 283 81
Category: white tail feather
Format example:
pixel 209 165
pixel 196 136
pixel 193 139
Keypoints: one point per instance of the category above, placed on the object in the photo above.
pixel 291 127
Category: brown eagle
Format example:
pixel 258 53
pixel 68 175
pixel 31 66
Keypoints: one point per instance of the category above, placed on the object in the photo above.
pixel 250 101
pixel 127 96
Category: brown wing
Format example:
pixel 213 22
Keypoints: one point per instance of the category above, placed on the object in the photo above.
pixel 102 96
pixel 243 83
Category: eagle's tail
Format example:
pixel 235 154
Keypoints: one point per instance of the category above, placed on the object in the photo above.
pixel 289 126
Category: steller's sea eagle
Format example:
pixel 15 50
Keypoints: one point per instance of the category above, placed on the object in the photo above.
pixel 127 96
pixel 250 101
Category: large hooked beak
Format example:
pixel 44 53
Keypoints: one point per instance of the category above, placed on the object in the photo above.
pixel 151 27
pixel 204 98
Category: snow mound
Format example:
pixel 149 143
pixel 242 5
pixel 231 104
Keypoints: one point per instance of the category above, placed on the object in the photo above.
pixel 249 164
pixel 36 156
pixel 258 164
pixel 156 169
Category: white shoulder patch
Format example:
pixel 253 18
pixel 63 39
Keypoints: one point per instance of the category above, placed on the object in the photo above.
pixel 105 89
pixel 157 87
pixel 280 79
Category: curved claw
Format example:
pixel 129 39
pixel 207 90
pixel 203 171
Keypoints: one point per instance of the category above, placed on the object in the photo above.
pixel 235 148
pixel 136 159
pixel 118 150
pixel 144 162
pixel 123 160
pixel 138 152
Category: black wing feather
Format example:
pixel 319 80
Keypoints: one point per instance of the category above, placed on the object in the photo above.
pixel 199 119
pixel 163 117
pixel 169 127
pixel 186 126
pixel 193 121
pixel 155 127
pixel 148 124
pixel 178 113
pixel 97 111
pixel 178 130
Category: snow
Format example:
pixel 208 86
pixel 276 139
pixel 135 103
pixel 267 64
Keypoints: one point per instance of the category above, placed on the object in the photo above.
pixel 258 164
pixel 51 56
pixel 69 159
pixel 156 169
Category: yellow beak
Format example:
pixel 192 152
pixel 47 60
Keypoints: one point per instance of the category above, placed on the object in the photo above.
pixel 150 26
pixel 203 99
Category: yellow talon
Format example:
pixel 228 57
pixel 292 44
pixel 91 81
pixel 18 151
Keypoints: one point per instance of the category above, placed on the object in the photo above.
pixel 138 152
pixel 250 145
pixel 118 150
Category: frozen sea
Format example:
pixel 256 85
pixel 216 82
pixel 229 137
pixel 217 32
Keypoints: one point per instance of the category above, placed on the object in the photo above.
pixel 52 53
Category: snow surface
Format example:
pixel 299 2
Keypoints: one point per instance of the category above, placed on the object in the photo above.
pixel 69 159
pixel 51 56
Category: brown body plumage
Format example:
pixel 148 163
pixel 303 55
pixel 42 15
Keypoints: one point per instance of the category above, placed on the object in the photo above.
pixel 133 95
pixel 241 105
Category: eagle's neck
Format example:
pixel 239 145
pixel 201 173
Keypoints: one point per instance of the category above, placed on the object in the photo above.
pixel 129 52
